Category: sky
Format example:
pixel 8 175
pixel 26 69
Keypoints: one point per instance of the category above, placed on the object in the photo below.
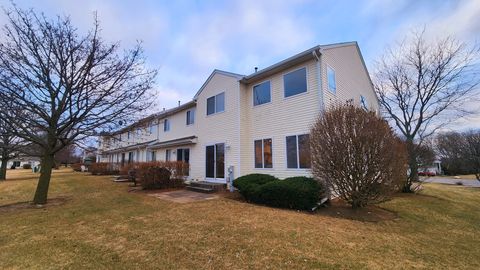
pixel 187 40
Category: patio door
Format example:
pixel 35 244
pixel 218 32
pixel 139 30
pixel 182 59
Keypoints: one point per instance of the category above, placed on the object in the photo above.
pixel 215 163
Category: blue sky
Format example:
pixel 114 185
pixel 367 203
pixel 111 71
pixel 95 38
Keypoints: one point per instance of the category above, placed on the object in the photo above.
pixel 186 40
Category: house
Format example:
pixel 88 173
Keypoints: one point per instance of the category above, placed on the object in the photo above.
pixel 258 123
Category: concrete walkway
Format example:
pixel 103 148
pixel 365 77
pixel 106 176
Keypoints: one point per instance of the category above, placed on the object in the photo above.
pixel 183 196
pixel 451 181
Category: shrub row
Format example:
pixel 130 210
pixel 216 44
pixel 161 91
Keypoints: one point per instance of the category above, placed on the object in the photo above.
pixel 160 175
pixel 302 193
pixel 103 168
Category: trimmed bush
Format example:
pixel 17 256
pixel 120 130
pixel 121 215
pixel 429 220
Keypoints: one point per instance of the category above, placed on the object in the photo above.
pixel 27 166
pixel 102 168
pixel 302 193
pixel 160 175
pixel 77 167
pixel 248 185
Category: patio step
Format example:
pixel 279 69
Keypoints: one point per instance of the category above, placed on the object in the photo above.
pixel 206 187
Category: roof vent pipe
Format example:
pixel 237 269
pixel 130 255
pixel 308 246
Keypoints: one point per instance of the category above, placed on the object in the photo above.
pixel 256 69
pixel 179 103
pixel 163 109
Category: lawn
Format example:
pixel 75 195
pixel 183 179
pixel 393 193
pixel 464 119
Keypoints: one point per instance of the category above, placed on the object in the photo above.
pixel 103 226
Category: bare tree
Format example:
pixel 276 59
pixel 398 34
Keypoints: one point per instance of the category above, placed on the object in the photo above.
pixel 358 155
pixel 10 145
pixel 422 85
pixel 72 86
pixel 67 155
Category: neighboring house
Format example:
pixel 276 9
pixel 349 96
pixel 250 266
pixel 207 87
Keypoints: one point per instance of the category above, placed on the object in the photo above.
pixel 20 161
pixel 249 124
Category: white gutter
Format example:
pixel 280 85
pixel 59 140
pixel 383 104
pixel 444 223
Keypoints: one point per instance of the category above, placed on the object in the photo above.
pixel 318 58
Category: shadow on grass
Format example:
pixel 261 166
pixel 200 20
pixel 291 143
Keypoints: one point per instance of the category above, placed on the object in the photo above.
pixel 29 205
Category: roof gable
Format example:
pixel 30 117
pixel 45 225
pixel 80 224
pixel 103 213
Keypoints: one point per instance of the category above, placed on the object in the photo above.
pixel 215 72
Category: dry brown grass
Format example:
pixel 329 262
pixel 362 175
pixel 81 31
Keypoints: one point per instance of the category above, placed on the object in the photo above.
pixel 102 226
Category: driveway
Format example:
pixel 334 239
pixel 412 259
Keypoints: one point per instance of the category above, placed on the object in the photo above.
pixel 451 181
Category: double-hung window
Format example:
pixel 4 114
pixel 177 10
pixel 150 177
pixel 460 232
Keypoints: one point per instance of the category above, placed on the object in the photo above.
pixel 166 125
pixel 263 153
pixel 298 151
pixel 261 93
pixel 190 117
pixel 167 154
pixel 332 84
pixel 295 82
pixel 216 104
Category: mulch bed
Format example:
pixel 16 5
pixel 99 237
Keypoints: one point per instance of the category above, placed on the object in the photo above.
pixel 29 205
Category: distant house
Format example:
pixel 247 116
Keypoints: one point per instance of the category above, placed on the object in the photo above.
pixel 258 123
pixel 18 162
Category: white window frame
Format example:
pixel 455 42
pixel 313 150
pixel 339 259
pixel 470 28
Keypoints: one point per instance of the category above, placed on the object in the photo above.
pixel 263 153
pixel 334 91
pixel 215 104
pixel 298 153
pixel 253 93
pixel 190 112
pixel 168 155
pixel 306 80
pixel 166 125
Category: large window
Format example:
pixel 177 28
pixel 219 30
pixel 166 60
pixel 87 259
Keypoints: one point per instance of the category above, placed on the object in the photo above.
pixel 298 151
pixel 152 128
pixel 261 93
pixel 263 153
pixel 190 117
pixel 295 82
pixel 166 125
pixel 151 156
pixel 216 104
pixel 332 84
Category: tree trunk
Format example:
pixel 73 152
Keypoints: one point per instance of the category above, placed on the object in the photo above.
pixel 44 180
pixel 412 165
pixel 3 169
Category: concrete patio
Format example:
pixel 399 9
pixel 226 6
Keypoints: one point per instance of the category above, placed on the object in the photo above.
pixel 183 196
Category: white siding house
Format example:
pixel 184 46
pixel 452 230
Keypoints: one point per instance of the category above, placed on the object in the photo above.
pixel 250 124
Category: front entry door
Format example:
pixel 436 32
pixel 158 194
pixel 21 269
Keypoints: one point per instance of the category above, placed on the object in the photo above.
pixel 215 162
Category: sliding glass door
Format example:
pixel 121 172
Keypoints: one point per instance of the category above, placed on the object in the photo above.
pixel 215 162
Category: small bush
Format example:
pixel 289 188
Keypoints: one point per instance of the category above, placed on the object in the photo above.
pixel 77 167
pixel 302 193
pixel 27 166
pixel 248 185
pixel 160 175
pixel 103 168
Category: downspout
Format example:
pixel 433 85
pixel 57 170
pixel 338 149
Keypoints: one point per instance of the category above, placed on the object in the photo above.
pixel 318 57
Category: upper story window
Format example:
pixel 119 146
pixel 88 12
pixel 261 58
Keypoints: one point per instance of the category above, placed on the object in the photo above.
pixel 263 153
pixel 295 82
pixel 216 104
pixel 128 135
pixel 152 128
pixel 363 102
pixel 261 93
pixel 332 84
pixel 298 151
pixel 166 125
pixel 139 132
pixel 190 117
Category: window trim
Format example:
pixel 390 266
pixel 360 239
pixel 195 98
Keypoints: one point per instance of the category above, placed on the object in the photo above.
pixel 166 125
pixel 168 154
pixel 189 112
pixel 215 104
pixel 263 154
pixel 253 93
pixel 328 81
pixel 306 80
pixel 298 153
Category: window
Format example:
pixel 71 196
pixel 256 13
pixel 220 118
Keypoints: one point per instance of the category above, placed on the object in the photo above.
pixel 152 128
pixel 139 132
pixel 183 154
pixel 363 102
pixel 216 104
pixel 261 93
pixel 167 154
pixel 130 157
pixel 332 85
pixel 151 156
pixel 128 135
pixel 166 125
pixel 263 153
pixel 295 82
pixel 298 151
pixel 190 117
